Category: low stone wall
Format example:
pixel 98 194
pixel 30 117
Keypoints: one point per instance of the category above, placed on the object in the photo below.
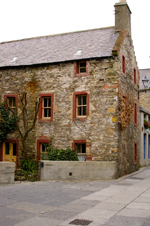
pixel 73 170
pixel 7 171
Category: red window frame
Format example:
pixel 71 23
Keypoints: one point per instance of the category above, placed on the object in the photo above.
pixel 12 96
pixel 17 148
pixel 77 142
pixel 135 152
pixel 134 73
pixel 123 64
pixel 74 105
pixel 40 119
pixel 41 141
pixel 88 144
pixel 76 68
pixel 135 114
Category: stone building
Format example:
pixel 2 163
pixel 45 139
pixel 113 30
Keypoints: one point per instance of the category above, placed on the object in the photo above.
pixel 144 100
pixel 89 84
pixel 145 137
pixel 144 96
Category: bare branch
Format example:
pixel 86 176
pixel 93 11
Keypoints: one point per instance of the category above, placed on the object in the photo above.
pixel 36 113
pixel 16 120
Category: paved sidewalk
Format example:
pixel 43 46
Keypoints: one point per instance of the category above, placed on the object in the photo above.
pixel 122 202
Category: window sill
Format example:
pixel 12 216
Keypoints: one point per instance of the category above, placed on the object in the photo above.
pixel 81 74
pixel 45 120
pixel 82 119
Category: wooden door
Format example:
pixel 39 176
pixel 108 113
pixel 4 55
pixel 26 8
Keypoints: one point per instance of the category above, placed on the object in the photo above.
pixel 9 151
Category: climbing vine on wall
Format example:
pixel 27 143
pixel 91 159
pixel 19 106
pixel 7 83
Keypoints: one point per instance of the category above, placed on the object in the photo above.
pixel 7 122
pixel 125 108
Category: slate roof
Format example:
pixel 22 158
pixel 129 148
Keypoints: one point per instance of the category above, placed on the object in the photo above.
pixel 57 48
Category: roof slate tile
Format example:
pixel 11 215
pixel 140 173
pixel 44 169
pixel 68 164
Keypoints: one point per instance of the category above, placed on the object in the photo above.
pixel 58 48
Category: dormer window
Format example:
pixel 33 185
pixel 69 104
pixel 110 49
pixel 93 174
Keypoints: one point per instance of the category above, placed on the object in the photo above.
pixel 81 68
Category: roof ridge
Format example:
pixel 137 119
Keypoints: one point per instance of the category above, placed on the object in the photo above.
pixel 57 34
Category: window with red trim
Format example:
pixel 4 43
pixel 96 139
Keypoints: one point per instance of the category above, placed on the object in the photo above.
pixel 46 107
pixel 123 64
pixel 81 68
pixel 135 114
pixel 12 101
pixel 134 76
pixel 41 147
pixel 135 153
pixel 80 148
pixel 80 105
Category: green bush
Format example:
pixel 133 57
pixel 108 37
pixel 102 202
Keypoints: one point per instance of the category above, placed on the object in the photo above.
pixel 61 155
pixel 28 165
pixel 7 122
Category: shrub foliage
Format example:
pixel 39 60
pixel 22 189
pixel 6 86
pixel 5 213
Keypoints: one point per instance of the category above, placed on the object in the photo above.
pixel 7 122
pixel 60 155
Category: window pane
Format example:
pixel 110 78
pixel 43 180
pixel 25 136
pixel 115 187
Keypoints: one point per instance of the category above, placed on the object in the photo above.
pixel 82 70
pixel 14 149
pixel 43 148
pixel 84 100
pixel 45 112
pixel 10 102
pixel 45 102
pixel 49 102
pixel 83 64
pixel 79 100
pixel 79 111
pixel 78 148
pixel 13 102
pixel 7 148
pixel 83 148
pixel 49 112
pixel 84 110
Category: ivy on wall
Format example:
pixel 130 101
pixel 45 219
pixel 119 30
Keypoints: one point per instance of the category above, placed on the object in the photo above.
pixel 125 108
pixel 7 122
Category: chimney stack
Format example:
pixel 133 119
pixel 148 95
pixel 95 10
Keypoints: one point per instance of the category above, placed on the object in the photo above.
pixel 122 16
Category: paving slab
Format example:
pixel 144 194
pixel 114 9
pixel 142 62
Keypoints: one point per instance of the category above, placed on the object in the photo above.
pixel 75 207
pixel 59 214
pixel 142 199
pixel 125 221
pixel 121 199
pixel 139 205
pixel 39 221
pixel 6 221
pixel 109 206
pixel 147 222
pixel 31 207
pixel 95 222
pixel 134 213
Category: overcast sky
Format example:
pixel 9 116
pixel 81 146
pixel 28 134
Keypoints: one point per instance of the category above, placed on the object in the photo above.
pixel 21 19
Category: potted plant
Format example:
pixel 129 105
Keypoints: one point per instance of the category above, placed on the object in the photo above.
pixel 146 124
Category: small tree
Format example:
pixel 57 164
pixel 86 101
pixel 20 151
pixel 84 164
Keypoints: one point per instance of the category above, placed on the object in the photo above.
pixel 24 132
pixel 7 122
